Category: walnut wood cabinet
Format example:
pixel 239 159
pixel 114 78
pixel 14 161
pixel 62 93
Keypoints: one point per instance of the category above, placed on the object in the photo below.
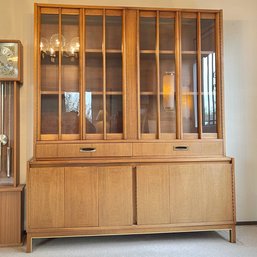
pixel 117 151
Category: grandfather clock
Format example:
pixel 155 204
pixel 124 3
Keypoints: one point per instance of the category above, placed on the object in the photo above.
pixel 11 192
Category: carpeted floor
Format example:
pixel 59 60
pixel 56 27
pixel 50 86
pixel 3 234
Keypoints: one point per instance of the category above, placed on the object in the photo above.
pixel 200 244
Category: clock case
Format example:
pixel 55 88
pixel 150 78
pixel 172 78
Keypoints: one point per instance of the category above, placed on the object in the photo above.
pixel 19 77
pixel 11 191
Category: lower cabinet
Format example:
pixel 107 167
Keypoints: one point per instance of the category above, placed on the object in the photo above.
pixel 127 199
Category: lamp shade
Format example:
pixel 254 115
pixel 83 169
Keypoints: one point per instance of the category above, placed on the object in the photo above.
pixel 168 91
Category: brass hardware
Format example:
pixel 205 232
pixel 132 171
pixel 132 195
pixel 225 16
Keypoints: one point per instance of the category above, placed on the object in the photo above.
pixel 87 150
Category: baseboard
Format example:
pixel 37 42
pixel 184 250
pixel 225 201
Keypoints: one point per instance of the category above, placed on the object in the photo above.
pixel 244 223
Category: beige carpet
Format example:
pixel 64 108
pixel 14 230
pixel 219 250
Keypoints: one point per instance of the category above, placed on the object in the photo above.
pixel 200 244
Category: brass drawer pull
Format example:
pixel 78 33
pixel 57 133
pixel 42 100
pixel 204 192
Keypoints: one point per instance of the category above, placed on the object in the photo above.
pixel 87 150
pixel 180 148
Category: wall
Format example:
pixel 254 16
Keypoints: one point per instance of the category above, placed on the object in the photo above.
pixel 240 41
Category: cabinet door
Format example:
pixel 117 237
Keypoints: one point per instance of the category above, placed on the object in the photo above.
pixel 153 204
pixel 46 197
pixel 186 193
pixel 81 197
pixel 115 196
pixel 201 193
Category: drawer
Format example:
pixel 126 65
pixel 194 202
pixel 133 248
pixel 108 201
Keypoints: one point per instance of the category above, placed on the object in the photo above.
pixel 183 148
pixel 95 150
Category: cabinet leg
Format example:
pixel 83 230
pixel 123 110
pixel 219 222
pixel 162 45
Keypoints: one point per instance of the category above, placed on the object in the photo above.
pixel 29 243
pixel 232 235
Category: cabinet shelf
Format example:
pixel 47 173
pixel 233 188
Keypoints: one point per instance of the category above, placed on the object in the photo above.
pixel 189 52
pixel 100 51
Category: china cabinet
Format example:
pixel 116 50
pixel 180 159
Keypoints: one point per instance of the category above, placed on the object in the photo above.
pixel 129 126
pixel 11 192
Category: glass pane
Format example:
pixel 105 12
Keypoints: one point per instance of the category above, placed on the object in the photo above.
pixel 168 119
pixel 70 113
pixel 209 93
pixel 189 34
pixel 189 93
pixel 208 35
pixel 114 72
pixel 113 32
pixel 94 72
pixel 94 32
pixel 114 122
pixel 49 114
pixel 167 34
pixel 148 114
pixel 148 79
pixel 94 113
pixel 70 56
pixel 147 33
pixel 167 64
pixel 49 47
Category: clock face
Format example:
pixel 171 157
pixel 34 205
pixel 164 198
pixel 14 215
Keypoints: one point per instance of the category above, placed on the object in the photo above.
pixel 9 61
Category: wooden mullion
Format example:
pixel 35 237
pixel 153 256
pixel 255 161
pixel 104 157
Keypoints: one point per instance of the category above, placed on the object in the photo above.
pixel 157 55
pixel 60 77
pixel 82 75
pixel 219 102
pixel 124 76
pixel 104 75
pixel 178 76
pixel 199 77
pixel 38 72
pixel 138 77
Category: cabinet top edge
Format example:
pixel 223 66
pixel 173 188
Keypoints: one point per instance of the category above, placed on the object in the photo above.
pixel 124 161
pixel 129 8
pixel 127 141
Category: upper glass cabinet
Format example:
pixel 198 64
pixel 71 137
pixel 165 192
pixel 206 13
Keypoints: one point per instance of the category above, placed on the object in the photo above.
pixel 98 76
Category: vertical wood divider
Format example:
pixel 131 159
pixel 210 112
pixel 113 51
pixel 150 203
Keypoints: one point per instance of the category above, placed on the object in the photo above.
pixel 219 102
pixel 60 76
pixel 124 75
pixel 138 77
pixel 157 55
pixel 104 75
pixel 134 194
pixel 82 75
pixel 178 75
pixel 37 79
pixel 199 77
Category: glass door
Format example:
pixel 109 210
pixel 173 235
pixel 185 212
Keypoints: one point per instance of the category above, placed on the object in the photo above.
pixel 59 48
pixel 156 46
pixel 104 78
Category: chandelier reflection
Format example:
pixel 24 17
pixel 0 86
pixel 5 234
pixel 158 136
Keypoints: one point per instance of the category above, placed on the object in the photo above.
pixel 58 43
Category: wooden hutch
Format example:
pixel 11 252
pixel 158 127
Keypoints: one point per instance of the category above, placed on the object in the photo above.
pixel 116 151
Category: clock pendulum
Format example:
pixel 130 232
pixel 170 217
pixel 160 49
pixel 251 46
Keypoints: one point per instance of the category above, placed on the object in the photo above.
pixel 3 137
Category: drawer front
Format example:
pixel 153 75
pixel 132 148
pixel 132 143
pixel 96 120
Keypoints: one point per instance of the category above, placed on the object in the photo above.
pixel 178 149
pixel 46 151
pixel 95 150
